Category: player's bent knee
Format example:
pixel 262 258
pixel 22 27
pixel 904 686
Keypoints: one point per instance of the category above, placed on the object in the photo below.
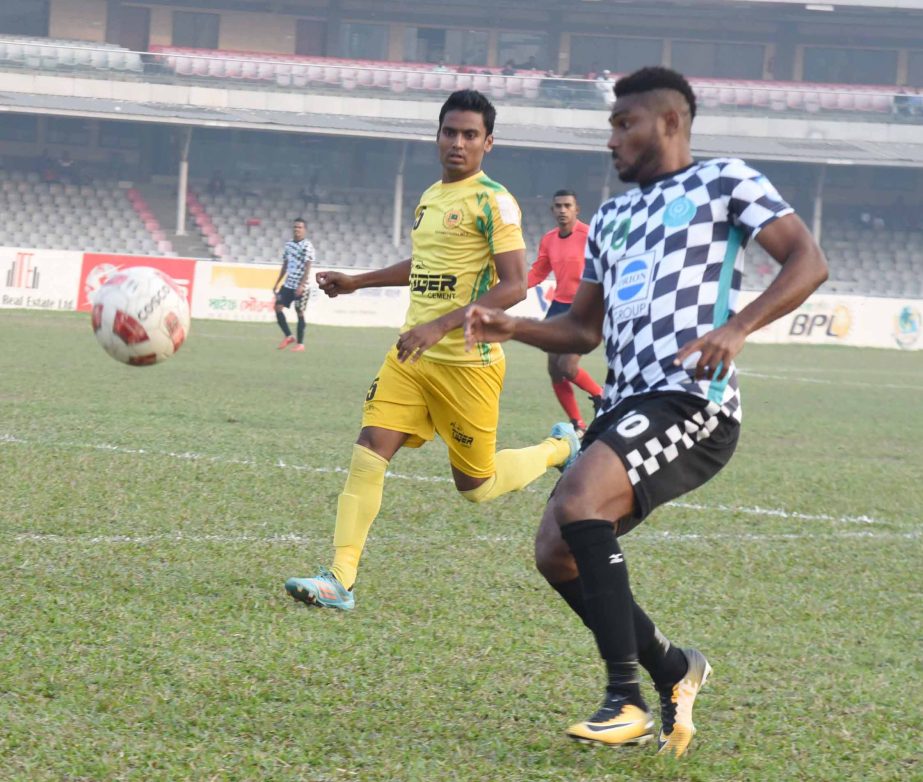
pixel 481 493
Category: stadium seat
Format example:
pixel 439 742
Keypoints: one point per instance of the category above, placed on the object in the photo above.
pixel 497 86
pixel 398 81
pixel 348 78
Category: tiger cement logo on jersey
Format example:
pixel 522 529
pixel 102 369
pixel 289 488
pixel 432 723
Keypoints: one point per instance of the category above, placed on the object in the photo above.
pixel 433 286
pixel 907 327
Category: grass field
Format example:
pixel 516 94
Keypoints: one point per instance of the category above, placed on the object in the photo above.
pixel 150 517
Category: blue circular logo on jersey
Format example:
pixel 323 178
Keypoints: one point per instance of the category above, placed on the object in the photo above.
pixel 632 280
pixel 679 212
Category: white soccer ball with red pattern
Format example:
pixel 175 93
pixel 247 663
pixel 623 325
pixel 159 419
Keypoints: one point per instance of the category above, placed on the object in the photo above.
pixel 140 316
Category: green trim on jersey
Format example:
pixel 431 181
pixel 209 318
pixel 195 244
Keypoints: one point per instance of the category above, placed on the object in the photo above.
pixel 488 182
pixel 485 224
pixel 722 310
pixel 481 286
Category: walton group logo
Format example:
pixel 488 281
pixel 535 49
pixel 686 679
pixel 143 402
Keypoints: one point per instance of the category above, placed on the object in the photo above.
pixel 907 327
pixel 22 273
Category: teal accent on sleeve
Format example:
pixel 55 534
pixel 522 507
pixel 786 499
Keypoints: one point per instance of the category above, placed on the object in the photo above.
pixel 722 310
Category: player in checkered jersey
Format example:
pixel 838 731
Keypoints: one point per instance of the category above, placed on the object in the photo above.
pixel 663 268
pixel 295 276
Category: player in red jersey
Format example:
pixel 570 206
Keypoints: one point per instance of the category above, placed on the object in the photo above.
pixel 562 251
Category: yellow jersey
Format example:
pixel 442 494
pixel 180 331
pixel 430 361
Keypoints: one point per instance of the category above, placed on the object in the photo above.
pixel 458 228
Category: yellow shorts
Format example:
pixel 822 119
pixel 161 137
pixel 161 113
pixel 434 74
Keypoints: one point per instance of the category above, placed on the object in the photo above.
pixel 461 403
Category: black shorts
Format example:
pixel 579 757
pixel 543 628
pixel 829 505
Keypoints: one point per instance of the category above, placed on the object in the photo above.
pixel 556 308
pixel 670 443
pixel 286 296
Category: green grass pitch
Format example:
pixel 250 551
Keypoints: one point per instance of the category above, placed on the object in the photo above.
pixel 150 517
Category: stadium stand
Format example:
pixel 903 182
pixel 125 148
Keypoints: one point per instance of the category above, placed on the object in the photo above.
pixel 251 228
pixel 59 54
pixel 98 217
pixel 864 260
pixel 286 72
pixel 324 73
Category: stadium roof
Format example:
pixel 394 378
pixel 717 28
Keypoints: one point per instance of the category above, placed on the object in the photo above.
pixel 518 128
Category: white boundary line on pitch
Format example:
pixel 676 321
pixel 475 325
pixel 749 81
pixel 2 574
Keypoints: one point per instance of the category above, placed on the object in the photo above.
pixel 8 439
pixel 818 381
pixel 292 539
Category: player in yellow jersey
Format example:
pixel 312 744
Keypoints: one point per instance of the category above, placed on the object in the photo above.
pixel 467 247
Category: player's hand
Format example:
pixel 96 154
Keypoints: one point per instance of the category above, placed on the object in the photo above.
pixel 299 291
pixel 483 324
pixel 335 283
pixel 716 349
pixel 413 343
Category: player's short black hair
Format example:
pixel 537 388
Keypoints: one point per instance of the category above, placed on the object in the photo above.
pixel 299 220
pixel 656 78
pixel 470 100
pixel 565 192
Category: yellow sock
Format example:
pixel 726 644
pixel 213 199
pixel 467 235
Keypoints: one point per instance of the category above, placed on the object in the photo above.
pixel 357 508
pixel 517 468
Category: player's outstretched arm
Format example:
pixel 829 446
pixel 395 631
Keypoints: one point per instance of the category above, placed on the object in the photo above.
pixel 336 283
pixel 509 290
pixel 804 269
pixel 578 330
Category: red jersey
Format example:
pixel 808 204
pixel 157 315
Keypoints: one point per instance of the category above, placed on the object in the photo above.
pixel 564 257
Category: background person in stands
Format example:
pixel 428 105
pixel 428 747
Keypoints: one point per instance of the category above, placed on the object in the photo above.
pixel 216 184
pixel 297 257
pixel 561 252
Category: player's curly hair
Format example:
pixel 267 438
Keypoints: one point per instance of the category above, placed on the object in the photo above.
pixel 470 100
pixel 656 78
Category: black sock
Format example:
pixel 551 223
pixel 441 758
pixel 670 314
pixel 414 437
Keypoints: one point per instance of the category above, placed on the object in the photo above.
pixel 572 593
pixel 301 328
pixel 665 662
pixel 608 602
pixel 283 324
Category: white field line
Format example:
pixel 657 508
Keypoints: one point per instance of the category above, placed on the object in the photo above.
pixel 8 439
pixel 653 537
pixel 829 370
pixel 818 381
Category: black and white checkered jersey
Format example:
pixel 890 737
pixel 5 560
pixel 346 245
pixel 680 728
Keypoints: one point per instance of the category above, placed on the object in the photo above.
pixel 669 256
pixel 297 257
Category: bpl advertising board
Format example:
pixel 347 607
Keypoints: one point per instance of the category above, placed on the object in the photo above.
pixel 826 319
pixel 39 279
pixel 99 267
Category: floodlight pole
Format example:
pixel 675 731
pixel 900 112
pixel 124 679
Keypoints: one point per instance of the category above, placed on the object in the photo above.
pixel 398 198
pixel 185 140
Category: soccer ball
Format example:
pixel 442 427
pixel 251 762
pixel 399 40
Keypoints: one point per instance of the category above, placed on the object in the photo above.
pixel 140 316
